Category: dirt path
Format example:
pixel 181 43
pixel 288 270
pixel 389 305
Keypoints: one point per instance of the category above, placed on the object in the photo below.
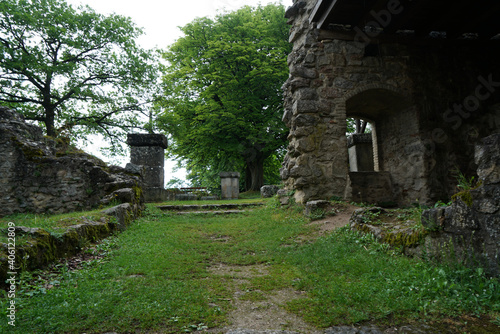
pixel 268 315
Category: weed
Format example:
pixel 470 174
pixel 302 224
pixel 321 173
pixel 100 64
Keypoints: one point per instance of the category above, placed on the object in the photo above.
pixel 463 182
pixel 372 217
pixel 317 214
pixel 440 203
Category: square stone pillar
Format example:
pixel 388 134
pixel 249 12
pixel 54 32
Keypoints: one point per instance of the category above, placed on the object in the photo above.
pixel 360 149
pixel 230 185
pixel 148 150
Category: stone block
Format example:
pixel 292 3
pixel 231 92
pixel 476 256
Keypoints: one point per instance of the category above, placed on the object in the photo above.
pixel 230 185
pixel 304 106
pixel 313 207
pixel 134 169
pixel 268 191
pixel 360 150
pixel 153 176
pixel 147 155
pixel 140 139
pixel 487 157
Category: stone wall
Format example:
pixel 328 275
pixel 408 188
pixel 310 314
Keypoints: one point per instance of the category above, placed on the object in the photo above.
pixel 407 90
pixel 40 175
pixel 471 226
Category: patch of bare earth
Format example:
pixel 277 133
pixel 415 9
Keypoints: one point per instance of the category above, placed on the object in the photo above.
pixel 338 215
pixel 259 315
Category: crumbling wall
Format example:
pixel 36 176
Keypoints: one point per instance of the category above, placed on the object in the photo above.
pixel 40 175
pixel 470 228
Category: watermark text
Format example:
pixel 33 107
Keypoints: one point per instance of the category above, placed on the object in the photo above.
pixel 11 274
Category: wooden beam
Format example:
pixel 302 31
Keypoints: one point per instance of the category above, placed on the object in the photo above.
pixel 323 14
pixel 321 4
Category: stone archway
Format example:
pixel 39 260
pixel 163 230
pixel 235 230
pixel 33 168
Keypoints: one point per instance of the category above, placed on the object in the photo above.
pixel 388 111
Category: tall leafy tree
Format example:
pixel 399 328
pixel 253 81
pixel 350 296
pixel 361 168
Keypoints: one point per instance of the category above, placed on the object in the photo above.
pixel 73 69
pixel 223 97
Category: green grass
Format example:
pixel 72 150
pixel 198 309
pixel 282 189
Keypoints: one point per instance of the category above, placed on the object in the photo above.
pixel 352 278
pixel 156 278
pixel 51 223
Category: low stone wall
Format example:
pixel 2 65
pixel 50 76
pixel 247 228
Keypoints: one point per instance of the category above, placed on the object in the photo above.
pixel 471 226
pixel 42 175
pixel 44 248
pixel 467 231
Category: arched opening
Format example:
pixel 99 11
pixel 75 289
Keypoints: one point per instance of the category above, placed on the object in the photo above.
pixel 360 145
pixel 377 161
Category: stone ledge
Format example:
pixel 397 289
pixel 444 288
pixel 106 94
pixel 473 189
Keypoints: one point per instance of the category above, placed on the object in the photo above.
pixel 45 247
pixel 141 139
pixel 229 175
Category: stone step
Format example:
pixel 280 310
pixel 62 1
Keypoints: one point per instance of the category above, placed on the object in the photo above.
pixel 225 212
pixel 207 207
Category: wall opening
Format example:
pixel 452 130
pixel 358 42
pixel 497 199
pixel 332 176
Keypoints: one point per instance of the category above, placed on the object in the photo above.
pixel 386 116
pixel 360 145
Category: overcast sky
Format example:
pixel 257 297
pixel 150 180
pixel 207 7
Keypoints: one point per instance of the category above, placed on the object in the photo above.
pixel 160 20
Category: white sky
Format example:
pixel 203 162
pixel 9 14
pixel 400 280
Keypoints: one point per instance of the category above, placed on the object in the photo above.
pixel 160 20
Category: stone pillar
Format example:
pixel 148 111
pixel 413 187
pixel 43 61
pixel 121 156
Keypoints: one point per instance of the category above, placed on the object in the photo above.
pixel 230 185
pixel 148 150
pixel 360 152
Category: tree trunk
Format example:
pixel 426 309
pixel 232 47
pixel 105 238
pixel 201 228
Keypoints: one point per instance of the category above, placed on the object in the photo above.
pixel 255 172
pixel 50 121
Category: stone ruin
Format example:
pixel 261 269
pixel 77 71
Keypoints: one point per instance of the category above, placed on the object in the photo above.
pixel 147 155
pixel 42 175
pixel 428 84
pixel 429 101
pixel 471 226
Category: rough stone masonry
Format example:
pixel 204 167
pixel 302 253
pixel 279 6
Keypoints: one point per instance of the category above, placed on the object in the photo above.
pixel 42 175
pixel 429 102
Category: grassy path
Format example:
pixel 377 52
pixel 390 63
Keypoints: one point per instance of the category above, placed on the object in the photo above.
pixel 172 274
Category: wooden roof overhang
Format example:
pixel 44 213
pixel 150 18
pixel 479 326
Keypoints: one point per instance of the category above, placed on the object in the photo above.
pixel 446 19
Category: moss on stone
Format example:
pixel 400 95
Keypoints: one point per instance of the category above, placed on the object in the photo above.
pixel 30 153
pixel 466 195
pixel 405 240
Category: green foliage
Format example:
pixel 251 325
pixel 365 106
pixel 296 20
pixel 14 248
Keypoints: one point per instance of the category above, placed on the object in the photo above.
pixel 73 70
pixel 372 217
pixel 464 182
pixel 317 214
pixel 466 185
pixel 222 95
pixel 439 204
